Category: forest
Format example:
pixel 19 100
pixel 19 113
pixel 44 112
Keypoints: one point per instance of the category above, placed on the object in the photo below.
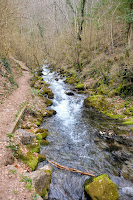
pixel 88 44
pixel 91 40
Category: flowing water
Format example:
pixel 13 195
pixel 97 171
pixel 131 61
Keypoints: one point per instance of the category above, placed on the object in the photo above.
pixel 74 142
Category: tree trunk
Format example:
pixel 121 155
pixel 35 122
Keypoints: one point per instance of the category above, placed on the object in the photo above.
pixel 130 27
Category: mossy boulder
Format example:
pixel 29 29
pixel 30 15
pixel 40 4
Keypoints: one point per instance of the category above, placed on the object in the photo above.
pixel 27 158
pixel 70 80
pixel 27 138
pixel 44 135
pixel 101 188
pixel 44 142
pixel 41 158
pixel 50 113
pixel 31 160
pixel 48 102
pixel 41 179
pixel 39 136
pixel 38 123
pixel 45 90
pixel 97 101
pixel 34 147
pixel 80 86
pixel 51 95
pixel 41 130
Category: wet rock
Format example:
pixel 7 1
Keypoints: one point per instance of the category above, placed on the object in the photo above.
pixel 127 170
pixel 56 79
pixel 123 128
pixel 69 93
pixel 113 148
pixel 125 140
pixel 54 112
pixel 50 95
pixel 41 180
pixel 121 155
pixel 128 191
pixel 108 136
pixel 26 138
pixel 48 102
pixel 101 188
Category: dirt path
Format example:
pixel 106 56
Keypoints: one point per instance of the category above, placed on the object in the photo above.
pixel 10 185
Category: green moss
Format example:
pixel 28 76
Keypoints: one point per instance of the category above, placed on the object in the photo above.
pixel 97 101
pixel 128 121
pixel 51 95
pixel 39 136
pixel 41 158
pixel 45 90
pixel 49 102
pixel 44 142
pixel 31 161
pixel 80 86
pixel 34 148
pixel 41 130
pixel 40 78
pixel 44 135
pixel 38 123
pixel 103 89
pixel 115 116
pixel 49 113
pixel 102 188
pixel 47 171
pixel 70 80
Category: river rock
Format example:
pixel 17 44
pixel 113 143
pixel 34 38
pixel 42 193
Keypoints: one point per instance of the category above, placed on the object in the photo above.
pixel 125 140
pixel 121 155
pixel 25 137
pixel 127 170
pixel 41 180
pixel 128 191
pixel 50 95
pixel 69 93
pixel 101 188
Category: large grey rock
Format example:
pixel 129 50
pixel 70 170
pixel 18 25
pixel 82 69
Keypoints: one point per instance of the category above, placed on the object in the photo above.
pixel 41 180
pixel 127 170
pixel 128 191
pixel 26 138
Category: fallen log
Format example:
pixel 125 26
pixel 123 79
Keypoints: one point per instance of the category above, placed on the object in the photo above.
pixel 70 169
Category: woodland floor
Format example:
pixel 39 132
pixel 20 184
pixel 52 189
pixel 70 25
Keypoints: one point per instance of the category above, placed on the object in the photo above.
pixel 11 186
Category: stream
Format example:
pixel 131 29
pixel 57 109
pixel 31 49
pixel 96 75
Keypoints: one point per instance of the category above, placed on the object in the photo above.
pixel 74 142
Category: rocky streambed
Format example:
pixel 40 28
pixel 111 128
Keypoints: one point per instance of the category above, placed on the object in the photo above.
pixel 84 139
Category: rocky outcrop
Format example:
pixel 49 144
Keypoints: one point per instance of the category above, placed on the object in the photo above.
pixel 27 138
pixel 101 188
pixel 41 179
pixel 127 170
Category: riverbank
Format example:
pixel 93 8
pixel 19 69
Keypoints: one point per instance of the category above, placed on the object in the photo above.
pixel 24 111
